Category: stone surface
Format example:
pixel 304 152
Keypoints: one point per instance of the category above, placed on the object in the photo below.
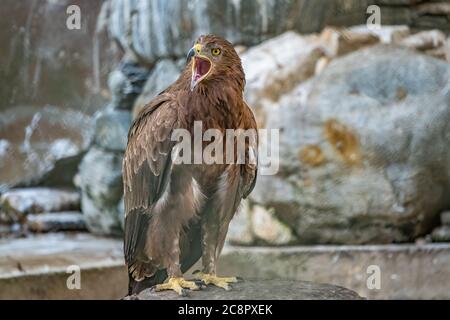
pixel 268 228
pixel 441 234
pixel 19 202
pixel 240 230
pixel 406 271
pixel 37 267
pixel 151 31
pixel 56 221
pixel 100 180
pixel 164 73
pixel 356 162
pixel 259 290
pixel 338 42
pixel 126 83
pixel 273 67
pixel 44 62
pixel 387 34
pixel 424 40
pixel 111 129
pixel 42 145
pixel 445 218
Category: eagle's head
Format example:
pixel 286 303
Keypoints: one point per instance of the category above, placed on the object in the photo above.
pixel 213 59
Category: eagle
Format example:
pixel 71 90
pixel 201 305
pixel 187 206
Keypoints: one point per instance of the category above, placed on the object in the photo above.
pixel 177 213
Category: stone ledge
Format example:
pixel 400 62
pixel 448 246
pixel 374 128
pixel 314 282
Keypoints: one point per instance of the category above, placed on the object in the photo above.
pixel 36 267
pixel 408 271
pixel 258 290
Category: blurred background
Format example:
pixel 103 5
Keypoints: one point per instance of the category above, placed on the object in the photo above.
pixel 359 90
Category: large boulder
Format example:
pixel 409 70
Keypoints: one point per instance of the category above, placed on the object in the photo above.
pixel 100 181
pixel 363 149
pixel 42 145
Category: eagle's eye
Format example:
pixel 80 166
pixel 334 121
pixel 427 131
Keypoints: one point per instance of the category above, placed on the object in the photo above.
pixel 215 51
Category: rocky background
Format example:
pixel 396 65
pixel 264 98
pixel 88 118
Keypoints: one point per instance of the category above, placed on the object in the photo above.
pixel 363 114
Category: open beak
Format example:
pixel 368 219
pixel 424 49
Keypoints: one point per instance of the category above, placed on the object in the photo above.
pixel 201 65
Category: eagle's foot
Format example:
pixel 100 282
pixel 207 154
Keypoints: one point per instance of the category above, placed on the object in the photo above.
pixel 221 282
pixel 179 285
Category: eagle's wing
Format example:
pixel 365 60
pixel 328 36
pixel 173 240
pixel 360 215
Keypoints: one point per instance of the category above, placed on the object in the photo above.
pixel 250 169
pixel 147 166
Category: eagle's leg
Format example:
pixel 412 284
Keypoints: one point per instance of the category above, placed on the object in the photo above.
pixel 166 233
pixel 176 282
pixel 214 228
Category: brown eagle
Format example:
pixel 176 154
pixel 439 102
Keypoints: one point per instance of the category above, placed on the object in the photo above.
pixel 176 213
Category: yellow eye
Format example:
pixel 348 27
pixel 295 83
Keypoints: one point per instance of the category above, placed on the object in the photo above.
pixel 215 51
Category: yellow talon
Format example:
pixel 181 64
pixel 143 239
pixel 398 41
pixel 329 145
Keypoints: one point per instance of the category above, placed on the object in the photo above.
pixel 178 285
pixel 221 282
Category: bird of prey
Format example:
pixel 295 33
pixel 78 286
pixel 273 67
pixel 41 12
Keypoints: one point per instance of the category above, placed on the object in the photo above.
pixel 177 213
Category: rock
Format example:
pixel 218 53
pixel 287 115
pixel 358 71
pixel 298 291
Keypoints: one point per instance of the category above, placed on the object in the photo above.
pixel 445 218
pixel 126 83
pixel 240 228
pixel 356 160
pixel 268 228
pixel 337 42
pixel 111 129
pixel 5 230
pixel 273 67
pixel 441 234
pixel 100 179
pixel 44 62
pixel 258 290
pixel 56 221
pixel 42 145
pixel 424 40
pixel 164 73
pixel 407 270
pixel 20 202
pixel 387 34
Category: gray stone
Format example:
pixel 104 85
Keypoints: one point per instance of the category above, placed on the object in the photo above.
pixel 445 218
pixel 164 73
pixel 387 34
pixel 407 271
pixel 268 228
pixel 126 82
pixel 38 266
pixel 441 234
pixel 424 40
pixel 100 180
pixel 44 62
pixel 42 145
pixel 363 158
pixel 111 129
pixel 156 30
pixel 274 66
pixel 258 290
pixel 56 221
pixel 240 230
pixel 19 202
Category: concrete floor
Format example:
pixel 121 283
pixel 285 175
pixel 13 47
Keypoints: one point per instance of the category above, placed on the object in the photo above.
pixel 39 267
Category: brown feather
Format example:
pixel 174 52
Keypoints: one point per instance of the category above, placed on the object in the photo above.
pixel 161 203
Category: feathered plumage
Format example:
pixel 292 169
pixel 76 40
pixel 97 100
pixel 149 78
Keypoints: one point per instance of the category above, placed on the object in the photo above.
pixel 177 213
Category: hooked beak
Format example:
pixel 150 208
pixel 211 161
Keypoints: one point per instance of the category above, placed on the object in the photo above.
pixel 201 65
